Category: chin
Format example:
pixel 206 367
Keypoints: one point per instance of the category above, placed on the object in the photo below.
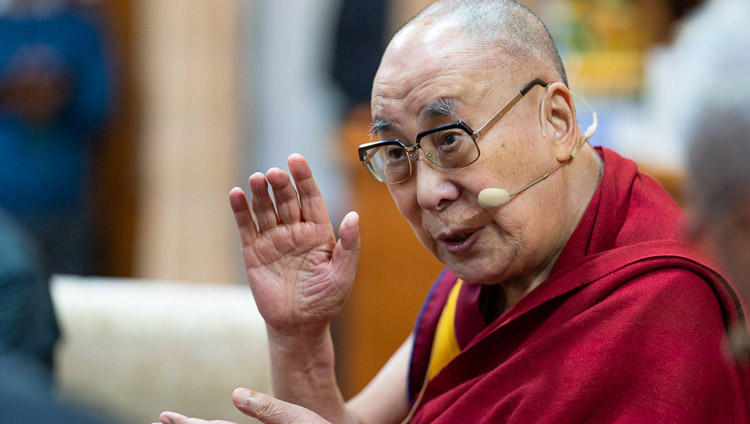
pixel 479 268
pixel 476 274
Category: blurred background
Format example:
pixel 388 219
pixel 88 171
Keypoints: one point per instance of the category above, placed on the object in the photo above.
pixel 124 124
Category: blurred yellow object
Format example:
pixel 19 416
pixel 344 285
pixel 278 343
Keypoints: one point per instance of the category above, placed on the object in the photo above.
pixel 609 72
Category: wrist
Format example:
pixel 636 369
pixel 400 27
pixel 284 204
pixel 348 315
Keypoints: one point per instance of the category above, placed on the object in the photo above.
pixel 307 338
pixel 303 367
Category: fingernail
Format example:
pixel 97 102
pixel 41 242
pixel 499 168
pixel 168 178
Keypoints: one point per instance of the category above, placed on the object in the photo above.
pixel 245 397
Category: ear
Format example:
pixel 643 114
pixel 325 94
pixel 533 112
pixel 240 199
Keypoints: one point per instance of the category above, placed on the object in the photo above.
pixel 559 118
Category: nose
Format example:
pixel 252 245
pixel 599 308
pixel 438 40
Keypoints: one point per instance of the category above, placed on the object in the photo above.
pixel 435 190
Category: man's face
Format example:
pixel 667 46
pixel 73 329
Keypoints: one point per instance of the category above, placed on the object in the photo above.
pixel 426 63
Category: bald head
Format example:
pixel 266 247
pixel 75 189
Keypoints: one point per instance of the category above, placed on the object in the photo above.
pixel 504 26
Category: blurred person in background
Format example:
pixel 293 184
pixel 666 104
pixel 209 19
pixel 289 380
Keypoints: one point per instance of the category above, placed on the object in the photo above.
pixel 28 333
pixel 716 128
pixel 55 96
pixel 719 172
pixel 24 399
pixel 28 326
pixel 711 39
pixel 701 84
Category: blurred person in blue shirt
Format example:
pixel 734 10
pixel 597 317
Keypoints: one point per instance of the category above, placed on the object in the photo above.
pixel 55 96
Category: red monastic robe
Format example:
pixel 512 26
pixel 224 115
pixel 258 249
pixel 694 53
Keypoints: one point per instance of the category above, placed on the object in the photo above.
pixel 629 327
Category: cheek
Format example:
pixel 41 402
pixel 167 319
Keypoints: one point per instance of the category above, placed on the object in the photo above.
pixel 405 197
pixel 505 164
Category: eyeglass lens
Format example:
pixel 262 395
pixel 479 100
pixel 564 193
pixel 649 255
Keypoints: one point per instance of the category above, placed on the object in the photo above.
pixel 450 148
pixel 388 163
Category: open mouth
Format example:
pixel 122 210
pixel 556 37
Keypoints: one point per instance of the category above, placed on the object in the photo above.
pixel 460 242
pixel 458 238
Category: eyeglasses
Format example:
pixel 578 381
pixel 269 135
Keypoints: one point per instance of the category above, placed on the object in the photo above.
pixel 449 146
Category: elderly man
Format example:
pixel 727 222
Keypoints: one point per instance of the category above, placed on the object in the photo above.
pixel 570 299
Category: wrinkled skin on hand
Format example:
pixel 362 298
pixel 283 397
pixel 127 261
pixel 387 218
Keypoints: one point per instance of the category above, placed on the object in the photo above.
pixel 299 274
pixel 257 405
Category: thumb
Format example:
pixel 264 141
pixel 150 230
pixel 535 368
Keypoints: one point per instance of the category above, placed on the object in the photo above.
pixel 272 411
pixel 346 252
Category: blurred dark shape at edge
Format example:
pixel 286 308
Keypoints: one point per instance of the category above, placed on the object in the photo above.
pixel 28 333
pixel 358 46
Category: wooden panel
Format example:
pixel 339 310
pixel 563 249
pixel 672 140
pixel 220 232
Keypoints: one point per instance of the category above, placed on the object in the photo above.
pixel 114 179
pixel 188 60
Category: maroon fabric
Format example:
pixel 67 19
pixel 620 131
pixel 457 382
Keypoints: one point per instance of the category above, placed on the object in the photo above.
pixel 628 328
pixel 469 320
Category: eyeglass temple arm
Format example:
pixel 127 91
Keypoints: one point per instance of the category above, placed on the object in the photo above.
pixel 498 115
pixel 508 105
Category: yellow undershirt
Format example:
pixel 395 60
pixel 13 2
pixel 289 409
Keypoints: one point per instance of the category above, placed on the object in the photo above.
pixel 445 346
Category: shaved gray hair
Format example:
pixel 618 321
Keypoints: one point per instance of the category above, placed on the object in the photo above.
pixel 505 24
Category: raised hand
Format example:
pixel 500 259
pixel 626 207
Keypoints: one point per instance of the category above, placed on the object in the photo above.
pixel 299 274
pixel 257 405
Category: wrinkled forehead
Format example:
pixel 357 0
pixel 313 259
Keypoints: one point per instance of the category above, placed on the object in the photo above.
pixel 428 61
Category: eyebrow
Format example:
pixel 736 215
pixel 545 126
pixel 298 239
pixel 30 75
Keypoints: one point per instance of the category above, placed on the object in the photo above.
pixel 443 106
pixel 379 125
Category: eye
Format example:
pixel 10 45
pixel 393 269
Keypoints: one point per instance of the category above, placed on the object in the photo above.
pixel 395 153
pixel 449 141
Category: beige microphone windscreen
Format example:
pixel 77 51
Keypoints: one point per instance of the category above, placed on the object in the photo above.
pixel 493 197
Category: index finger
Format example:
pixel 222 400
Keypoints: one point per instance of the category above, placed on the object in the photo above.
pixel 242 216
pixel 312 205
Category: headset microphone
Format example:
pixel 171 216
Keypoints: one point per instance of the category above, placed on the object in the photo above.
pixel 493 197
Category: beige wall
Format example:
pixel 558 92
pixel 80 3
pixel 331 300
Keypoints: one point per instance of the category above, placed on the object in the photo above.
pixel 188 60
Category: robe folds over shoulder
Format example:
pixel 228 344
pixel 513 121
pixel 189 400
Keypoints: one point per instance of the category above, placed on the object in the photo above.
pixel 630 327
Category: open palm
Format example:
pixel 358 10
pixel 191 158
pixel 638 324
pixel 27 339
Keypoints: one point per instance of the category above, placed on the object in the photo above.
pixel 299 274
